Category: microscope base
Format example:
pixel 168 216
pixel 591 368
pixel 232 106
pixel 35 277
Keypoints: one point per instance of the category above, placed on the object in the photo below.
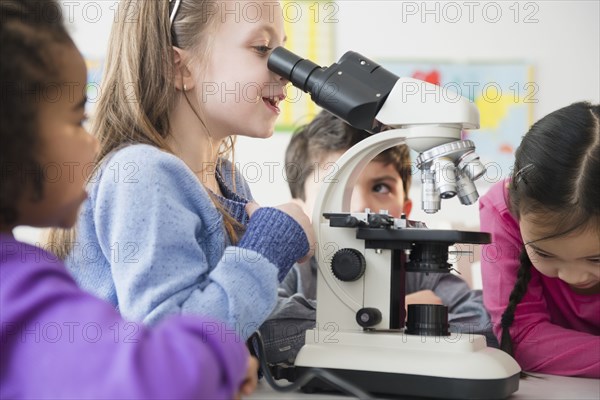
pixel 459 366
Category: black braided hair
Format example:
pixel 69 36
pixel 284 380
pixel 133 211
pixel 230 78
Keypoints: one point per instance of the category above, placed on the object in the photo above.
pixel 29 31
pixel 523 278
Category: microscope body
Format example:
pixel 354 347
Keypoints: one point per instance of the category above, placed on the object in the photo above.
pixel 360 331
pixel 363 257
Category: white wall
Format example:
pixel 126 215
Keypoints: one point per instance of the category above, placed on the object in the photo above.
pixel 561 41
pixel 561 38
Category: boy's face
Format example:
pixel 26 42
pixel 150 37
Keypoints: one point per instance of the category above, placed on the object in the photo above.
pixel 67 150
pixel 379 187
pixel 238 93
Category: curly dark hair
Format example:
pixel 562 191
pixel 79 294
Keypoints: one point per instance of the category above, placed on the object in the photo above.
pixel 29 32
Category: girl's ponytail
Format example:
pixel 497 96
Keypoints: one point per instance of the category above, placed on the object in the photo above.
pixel 523 278
pixel 137 90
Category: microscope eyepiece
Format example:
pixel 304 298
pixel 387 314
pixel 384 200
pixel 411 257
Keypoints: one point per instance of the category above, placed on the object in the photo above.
pixel 294 68
pixel 354 89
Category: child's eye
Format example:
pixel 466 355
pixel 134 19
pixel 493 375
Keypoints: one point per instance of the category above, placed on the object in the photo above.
pixel 381 188
pixel 543 255
pixel 262 49
pixel 594 260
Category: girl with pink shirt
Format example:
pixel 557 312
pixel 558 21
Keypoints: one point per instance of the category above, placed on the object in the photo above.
pixel 541 274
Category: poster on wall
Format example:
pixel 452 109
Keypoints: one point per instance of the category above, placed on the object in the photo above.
pixel 95 65
pixel 309 26
pixel 504 93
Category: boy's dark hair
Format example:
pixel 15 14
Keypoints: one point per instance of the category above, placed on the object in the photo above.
pixel 328 134
pixel 29 31
pixel 556 175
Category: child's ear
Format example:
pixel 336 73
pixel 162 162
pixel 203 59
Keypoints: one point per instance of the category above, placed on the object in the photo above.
pixel 407 208
pixel 184 79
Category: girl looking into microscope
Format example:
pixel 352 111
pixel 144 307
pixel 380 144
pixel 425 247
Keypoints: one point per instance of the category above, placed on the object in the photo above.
pixel 171 221
pixel 541 274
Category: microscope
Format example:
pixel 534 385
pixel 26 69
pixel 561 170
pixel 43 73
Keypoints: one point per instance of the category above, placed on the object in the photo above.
pixel 362 331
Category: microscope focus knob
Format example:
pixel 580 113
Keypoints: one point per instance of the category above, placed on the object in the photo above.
pixel 368 317
pixel 348 265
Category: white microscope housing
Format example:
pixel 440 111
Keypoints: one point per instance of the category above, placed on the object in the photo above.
pixel 360 332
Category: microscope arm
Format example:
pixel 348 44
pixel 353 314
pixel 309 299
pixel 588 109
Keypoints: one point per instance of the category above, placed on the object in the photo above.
pixel 335 196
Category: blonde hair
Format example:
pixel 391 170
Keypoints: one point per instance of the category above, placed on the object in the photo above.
pixel 137 92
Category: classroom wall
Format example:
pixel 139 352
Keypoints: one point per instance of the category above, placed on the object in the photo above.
pixel 561 39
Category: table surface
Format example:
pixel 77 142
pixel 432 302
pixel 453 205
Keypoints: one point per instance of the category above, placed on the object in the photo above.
pixel 541 386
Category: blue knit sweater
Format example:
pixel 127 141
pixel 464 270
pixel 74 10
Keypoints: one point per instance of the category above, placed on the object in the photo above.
pixel 151 241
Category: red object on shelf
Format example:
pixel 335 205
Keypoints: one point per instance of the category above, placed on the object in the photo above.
pixel 431 77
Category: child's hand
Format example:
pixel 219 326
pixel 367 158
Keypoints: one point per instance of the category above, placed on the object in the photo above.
pixel 422 297
pixel 249 384
pixel 294 210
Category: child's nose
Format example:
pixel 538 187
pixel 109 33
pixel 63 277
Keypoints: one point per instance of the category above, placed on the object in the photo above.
pixel 570 275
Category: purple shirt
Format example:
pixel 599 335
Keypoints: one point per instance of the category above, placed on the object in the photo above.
pixel 555 330
pixel 57 341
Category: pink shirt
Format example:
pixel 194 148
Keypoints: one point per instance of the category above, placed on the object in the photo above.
pixel 555 330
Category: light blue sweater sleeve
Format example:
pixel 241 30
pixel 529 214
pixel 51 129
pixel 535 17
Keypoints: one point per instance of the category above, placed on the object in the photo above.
pixel 164 244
